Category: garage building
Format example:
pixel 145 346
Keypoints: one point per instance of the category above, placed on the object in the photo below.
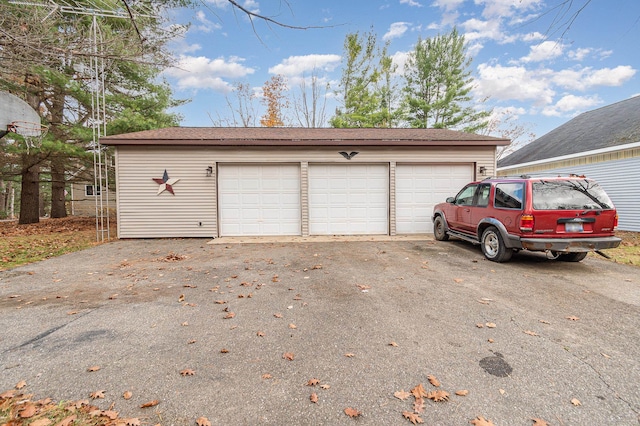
pixel 219 182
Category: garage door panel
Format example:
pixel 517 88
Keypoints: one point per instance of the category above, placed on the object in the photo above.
pixel 420 187
pixel 348 199
pixel 259 200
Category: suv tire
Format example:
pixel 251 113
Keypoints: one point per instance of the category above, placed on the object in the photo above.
pixel 572 257
pixel 493 246
pixel 440 229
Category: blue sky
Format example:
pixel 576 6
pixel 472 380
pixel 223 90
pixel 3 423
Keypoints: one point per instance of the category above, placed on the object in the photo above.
pixel 530 59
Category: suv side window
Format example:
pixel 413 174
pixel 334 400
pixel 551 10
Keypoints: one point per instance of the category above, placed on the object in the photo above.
pixel 482 196
pixel 465 197
pixel 509 195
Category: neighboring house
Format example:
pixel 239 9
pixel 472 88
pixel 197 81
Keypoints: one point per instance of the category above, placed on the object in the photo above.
pixel 603 144
pixel 216 182
pixel 86 199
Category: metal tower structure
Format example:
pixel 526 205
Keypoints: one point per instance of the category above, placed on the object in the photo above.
pixel 120 9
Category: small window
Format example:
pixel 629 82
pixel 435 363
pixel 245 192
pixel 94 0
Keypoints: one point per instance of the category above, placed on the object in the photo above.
pixel 89 190
pixel 483 195
pixel 509 195
pixel 465 197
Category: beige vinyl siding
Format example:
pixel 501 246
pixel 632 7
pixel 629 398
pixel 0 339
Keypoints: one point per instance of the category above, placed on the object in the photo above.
pixel 192 212
pixel 143 213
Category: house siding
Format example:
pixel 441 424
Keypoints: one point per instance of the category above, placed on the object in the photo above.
pixel 193 210
pixel 85 205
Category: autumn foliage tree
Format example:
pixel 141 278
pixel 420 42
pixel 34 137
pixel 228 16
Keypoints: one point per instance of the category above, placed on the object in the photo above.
pixel 275 100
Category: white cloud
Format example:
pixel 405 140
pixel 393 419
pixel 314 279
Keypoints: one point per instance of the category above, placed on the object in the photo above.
pixel 299 65
pixel 507 8
pixel 205 25
pixel 544 51
pixel 397 29
pixel 399 59
pixel 476 29
pixel 587 78
pixel 411 3
pixel 534 36
pixel 571 104
pixel 514 83
pixel 579 54
pixel 203 73
pixel 448 4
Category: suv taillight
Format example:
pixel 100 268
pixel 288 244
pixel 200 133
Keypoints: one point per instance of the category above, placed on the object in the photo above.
pixel 615 221
pixel 526 223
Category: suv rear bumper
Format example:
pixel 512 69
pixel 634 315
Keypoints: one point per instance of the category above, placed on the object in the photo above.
pixel 570 245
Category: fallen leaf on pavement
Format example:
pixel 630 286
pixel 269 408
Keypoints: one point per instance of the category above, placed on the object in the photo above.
pixel 481 421
pixel 394 344
pixel 491 325
pixel 229 315
pixel 419 391
pixel 127 395
pixel 314 398
pixel 266 376
pixel 576 402
pixel 572 318
pixel 150 404
pixel 462 392
pixel 402 394
pixel 289 356
pixel 94 368
pixel 434 381
pixel 349 355
pixel 187 372
pixel 352 412
pixel 313 382
pixel 21 384
pixel 203 421
pixel 412 417
pixel 438 395
pixel 531 333
pixel 97 394
pixel 132 421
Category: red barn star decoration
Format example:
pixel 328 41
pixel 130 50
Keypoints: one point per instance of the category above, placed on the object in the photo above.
pixel 165 183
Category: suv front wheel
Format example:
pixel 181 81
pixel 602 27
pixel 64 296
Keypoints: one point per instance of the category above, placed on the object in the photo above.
pixel 440 229
pixel 493 246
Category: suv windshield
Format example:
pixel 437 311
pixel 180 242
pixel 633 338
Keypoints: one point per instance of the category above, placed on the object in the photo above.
pixel 573 194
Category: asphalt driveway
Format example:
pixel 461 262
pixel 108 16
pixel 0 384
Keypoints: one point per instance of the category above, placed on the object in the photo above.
pixel 206 330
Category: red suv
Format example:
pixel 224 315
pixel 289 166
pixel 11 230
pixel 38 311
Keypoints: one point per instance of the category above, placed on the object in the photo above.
pixel 566 217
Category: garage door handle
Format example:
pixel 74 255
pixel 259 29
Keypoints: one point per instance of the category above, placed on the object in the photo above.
pixel 467 210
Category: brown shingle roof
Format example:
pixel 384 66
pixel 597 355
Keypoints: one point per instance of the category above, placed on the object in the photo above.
pixel 291 136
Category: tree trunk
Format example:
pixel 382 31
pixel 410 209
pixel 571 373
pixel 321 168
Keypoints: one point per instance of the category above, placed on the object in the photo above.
pixel 58 207
pixel 30 195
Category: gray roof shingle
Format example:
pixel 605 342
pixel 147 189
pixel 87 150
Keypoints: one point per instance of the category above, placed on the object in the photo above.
pixel 609 126
pixel 292 136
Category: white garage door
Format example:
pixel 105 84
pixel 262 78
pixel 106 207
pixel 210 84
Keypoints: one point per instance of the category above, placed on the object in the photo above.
pixel 259 200
pixel 420 187
pixel 348 199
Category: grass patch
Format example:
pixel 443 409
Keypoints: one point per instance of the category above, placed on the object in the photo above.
pixel 628 253
pixel 23 244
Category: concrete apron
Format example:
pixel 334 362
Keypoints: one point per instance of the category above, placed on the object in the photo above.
pixel 318 239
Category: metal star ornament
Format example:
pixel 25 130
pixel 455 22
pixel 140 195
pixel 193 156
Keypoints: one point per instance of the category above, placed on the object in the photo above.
pixel 165 183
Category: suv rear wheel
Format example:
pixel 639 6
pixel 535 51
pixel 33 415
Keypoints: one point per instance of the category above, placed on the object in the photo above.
pixel 493 246
pixel 440 229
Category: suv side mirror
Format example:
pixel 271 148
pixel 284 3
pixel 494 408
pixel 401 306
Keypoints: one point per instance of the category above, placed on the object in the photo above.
pixel 451 200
